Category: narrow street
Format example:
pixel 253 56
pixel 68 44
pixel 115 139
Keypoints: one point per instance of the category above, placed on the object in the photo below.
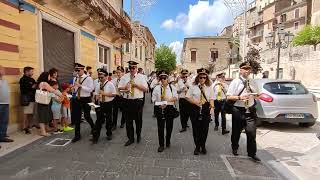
pixel 111 160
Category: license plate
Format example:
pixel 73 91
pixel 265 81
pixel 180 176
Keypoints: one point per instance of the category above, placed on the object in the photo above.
pixel 292 116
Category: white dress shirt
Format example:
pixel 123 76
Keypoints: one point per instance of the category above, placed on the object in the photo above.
pixel 235 88
pixel 224 89
pixel 182 85
pixel 156 94
pixel 139 79
pixel 108 88
pixel 116 82
pixel 86 86
pixel 95 82
pixel 195 93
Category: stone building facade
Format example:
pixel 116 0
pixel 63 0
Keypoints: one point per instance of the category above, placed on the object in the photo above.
pixel 143 48
pixel 57 33
pixel 201 52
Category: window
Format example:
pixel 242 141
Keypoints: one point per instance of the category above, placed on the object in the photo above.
pixel 140 52
pixel 283 18
pixel 193 56
pixel 285 88
pixel 127 47
pixel 296 25
pixel 296 13
pixel 214 55
pixel 104 54
pixel 136 49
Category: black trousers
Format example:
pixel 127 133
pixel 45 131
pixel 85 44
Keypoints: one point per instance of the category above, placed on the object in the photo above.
pixel 200 126
pixel 133 112
pixel 82 105
pixel 117 104
pixel 242 120
pixel 104 114
pixel 75 111
pixel 184 107
pixel 164 121
pixel 218 109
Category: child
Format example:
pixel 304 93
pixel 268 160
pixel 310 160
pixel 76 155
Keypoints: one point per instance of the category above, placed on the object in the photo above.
pixel 56 108
pixel 66 113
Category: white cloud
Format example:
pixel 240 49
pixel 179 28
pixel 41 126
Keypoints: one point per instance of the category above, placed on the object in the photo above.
pixel 202 18
pixel 176 48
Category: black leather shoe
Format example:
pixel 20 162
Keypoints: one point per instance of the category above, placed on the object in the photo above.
pixel 196 151
pixel 109 138
pixel 183 130
pixel 26 131
pixel 6 140
pixel 168 145
pixel 203 150
pixel 138 139
pixel 216 128
pixel 75 139
pixel 128 143
pixel 255 158
pixel 225 132
pixel 114 128
pixel 235 152
pixel 161 149
pixel 122 126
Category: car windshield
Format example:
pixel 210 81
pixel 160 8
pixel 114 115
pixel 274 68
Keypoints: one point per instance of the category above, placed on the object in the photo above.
pixel 286 88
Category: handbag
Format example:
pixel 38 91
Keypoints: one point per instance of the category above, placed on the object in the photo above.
pixel 42 97
pixel 227 106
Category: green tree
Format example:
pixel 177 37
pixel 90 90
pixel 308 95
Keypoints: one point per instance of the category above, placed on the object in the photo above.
pixel 165 58
pixel 253 56
pixel 309 35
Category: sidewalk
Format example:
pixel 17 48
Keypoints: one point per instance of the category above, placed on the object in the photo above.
pixel 111 160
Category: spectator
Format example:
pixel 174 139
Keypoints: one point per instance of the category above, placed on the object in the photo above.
pixel 28 89
pixel 43 110
pixel 4 107
pixel 56 108
pixel 53 72
pixel 89 71
pixel 66 112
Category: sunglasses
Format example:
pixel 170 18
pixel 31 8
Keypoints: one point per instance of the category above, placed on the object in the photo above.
pixel 100 77
pixel 77 70
pixel 132 67
pixel 184 77
pixel 246 68
pixel 203 77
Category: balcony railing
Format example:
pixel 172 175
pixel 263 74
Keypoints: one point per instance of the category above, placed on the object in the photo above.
pixel 111 16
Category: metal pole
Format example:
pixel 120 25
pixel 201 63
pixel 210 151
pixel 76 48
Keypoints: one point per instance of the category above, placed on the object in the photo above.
pixel 278 62
pixel 244 31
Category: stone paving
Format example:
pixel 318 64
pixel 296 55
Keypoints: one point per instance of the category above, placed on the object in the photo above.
pixel 111 160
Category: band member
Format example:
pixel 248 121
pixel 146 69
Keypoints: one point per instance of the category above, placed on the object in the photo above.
pixel 82 86
pixel 104 95
pixel 183 87
pixel 117 102
pixel 219 90
pixel 244 112
pixel 134 85
pixel 200 95
pixel 164 93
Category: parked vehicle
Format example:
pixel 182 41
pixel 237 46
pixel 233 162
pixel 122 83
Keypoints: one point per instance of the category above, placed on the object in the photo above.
pixel 285 101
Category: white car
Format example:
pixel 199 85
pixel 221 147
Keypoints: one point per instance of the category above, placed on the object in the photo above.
pixel 285 101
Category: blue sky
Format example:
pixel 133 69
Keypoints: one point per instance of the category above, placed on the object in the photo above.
pixel 171 21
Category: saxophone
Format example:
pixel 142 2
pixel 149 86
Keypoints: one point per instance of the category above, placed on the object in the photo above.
pixel 131 86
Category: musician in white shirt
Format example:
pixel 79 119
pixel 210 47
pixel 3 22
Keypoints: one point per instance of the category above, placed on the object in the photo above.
pixel 184 84
pixel 200 95
pixel 104 94
pixel 134 85
pixel 118 100
pixel 220 89
pixel 82 86
pixel 164 93
pixel 244 113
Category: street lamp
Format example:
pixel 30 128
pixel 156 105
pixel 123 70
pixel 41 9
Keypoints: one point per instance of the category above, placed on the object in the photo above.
pixel 284 39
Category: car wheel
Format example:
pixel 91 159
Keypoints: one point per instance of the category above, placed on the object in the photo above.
pixel 307 124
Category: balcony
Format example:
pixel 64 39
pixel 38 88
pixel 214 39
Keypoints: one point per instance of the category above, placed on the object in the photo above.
pixel 97 15
pixel 257 35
